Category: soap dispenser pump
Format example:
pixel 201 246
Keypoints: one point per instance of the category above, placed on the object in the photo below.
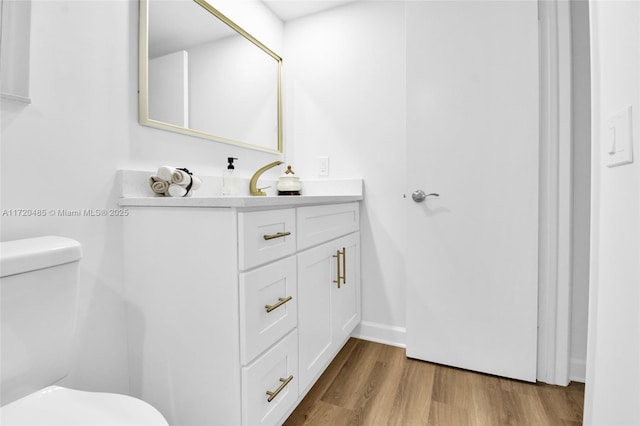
pixel 230 184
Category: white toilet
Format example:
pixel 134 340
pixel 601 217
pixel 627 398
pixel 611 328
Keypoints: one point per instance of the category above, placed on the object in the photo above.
pixel 38 285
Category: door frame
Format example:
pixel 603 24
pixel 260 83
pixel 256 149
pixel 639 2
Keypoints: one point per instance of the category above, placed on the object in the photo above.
pixel 556 186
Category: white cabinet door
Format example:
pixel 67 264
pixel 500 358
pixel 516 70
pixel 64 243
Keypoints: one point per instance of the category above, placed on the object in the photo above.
pixel 327 313
pixel 316 271
pixel 345 300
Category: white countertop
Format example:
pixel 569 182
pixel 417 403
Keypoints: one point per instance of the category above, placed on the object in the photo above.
pixel 238 201
pixel 135 192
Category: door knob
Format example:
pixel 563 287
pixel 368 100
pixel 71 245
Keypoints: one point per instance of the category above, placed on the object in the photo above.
pixel 419 195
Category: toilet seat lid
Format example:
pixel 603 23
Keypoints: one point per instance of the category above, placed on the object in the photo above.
pixel 55 405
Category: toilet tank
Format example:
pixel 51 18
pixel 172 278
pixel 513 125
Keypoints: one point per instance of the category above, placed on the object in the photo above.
pixel 38 284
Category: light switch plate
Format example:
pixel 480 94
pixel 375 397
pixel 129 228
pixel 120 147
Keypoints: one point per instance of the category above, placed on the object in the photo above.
pixel 618 139
pixel 323 166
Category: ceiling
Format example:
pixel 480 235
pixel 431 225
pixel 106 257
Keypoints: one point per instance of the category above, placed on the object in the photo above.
pixel 292 9
pixel 177 27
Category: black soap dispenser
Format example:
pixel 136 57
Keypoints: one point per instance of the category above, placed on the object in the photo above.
pixel 230 182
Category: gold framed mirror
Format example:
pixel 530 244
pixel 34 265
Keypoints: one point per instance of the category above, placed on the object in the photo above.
pixel 204 76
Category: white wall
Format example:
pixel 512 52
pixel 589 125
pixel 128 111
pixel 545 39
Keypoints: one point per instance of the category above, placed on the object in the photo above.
pixel 63 150
pixel 613 357
pixel 345 99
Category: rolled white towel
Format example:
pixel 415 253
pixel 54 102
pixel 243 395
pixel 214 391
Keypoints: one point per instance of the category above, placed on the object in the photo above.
pixel 176 190
pixel 181 178
pixel 159 186
pixel 195 183
pixel 165 172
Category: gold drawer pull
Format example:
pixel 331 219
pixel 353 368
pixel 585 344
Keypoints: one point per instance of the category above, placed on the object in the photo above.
pixel 277 235
pixel 285 382
pixel 344 267
pixel 281 301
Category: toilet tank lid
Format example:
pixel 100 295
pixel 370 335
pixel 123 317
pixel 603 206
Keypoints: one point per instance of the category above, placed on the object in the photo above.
pixel 30 254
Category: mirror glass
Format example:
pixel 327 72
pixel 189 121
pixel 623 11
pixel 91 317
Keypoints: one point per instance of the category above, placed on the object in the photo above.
pixel 203 75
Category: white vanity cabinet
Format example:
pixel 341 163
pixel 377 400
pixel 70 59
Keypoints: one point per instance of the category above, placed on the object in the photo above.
pixel 234 313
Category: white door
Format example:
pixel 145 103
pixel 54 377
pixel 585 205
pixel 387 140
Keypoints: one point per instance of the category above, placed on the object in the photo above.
pixel 472 126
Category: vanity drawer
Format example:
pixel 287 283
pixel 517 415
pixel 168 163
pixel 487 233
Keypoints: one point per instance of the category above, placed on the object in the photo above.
pixel 268 306
pixel 317 224
pixel 265 236
pixel 274 372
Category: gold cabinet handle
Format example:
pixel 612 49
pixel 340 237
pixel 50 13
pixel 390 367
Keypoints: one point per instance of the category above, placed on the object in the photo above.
pixel 281 301
pixel 338 276
pixel 285 382
pixel 344 266
pixel 277 235
pixel 337 256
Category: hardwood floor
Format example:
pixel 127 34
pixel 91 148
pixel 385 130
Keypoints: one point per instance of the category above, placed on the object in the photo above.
pixel 373 384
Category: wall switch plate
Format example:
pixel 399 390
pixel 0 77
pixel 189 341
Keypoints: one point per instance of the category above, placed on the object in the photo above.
pixel 618 139
pixel 323 166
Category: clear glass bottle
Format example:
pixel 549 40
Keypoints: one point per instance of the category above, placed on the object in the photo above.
pixel 230 185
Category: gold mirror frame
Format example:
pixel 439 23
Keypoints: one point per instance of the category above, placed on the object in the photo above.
pixel 143 91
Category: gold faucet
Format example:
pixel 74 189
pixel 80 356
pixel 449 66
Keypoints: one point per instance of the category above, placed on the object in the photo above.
pixel 254 179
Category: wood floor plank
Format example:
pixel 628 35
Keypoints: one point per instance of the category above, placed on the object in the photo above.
pixel 354 379
pixel 382 404
pixel 373 384
pixel 521 409
pixel 560 403
pixel 305 408
pixel 323 413
pixel 453 387
pixel 486 393
pixel 442 414
pixel 367 401
pixel 414 394
pixel 518 386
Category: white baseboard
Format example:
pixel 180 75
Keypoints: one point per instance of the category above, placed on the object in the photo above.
pixel 578 370
pixel 381 333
